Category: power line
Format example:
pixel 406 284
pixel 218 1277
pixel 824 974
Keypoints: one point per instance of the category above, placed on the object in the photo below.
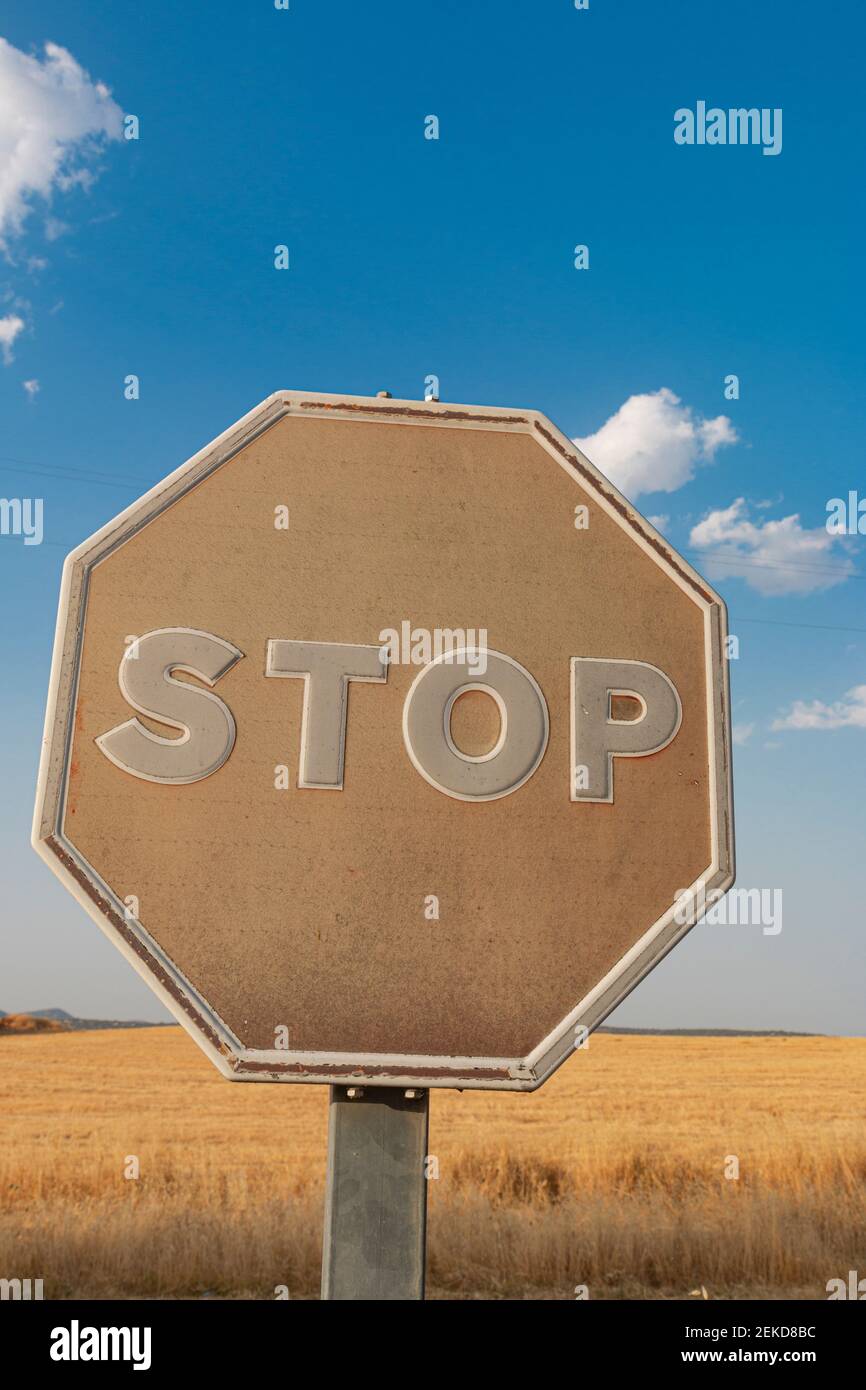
pixel 100 479
pixel 716 558
pixel 97 478
pixel 817 627
pixel 76 475
pixel 734 623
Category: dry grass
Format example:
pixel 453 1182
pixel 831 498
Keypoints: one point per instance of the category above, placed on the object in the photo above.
pixel 611 1176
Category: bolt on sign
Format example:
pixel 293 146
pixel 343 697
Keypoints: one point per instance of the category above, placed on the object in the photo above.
pixel 388 742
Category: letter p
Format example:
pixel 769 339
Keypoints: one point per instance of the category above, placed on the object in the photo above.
pixel 597 738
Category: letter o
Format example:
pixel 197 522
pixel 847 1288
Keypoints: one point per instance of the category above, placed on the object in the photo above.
pixel 524 731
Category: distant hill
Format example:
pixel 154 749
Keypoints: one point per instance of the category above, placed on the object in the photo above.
pixel 709 1032
pixel 26 1023
pixel 59 1021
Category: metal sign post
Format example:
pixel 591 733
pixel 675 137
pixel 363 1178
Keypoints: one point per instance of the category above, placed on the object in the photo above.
pixel 376 1197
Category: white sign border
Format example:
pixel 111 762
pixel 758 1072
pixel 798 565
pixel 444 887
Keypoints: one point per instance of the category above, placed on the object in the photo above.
pixel 110 913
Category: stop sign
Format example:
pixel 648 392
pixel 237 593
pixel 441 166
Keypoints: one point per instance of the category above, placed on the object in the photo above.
pixel 388 742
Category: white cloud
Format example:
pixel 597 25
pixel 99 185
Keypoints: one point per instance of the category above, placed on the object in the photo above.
pixel 55 229
pixel 848 713
pixel 659 522
pixel 774 557
pixel 654 443
pixel 53 122
pixel 741 733
pixel 10 326
pixel 31 387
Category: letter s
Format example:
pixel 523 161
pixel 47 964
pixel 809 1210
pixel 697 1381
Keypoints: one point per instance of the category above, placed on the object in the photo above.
pixel 206 724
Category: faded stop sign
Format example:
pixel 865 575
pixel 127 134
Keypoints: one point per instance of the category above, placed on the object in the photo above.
pixel 388 742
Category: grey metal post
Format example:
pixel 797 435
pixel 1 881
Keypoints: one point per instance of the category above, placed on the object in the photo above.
pixel 376 1195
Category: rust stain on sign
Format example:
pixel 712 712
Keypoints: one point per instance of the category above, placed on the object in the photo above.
pixel 326 1070
pixel 407 411
pixel 123 929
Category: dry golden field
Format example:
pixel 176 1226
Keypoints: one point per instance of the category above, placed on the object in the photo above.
pixel 612 1176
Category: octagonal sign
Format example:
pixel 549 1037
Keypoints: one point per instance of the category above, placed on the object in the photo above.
pixel 388 742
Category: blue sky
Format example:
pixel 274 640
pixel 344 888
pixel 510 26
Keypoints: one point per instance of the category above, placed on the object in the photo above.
pixel 455 257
